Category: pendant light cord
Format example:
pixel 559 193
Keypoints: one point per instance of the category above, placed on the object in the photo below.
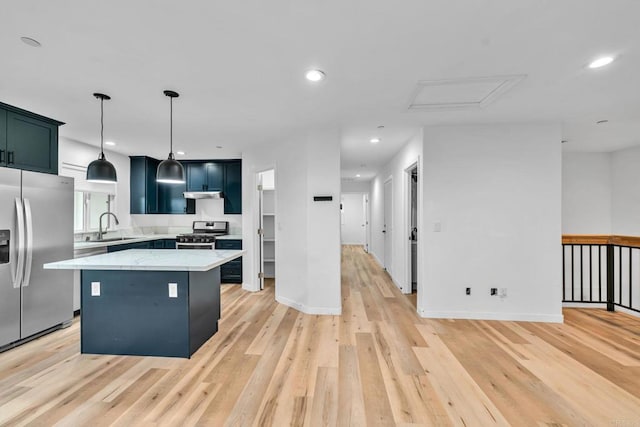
pixel 171 127
pixel 102 127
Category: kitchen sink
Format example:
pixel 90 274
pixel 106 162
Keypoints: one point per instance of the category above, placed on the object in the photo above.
pixel 111 239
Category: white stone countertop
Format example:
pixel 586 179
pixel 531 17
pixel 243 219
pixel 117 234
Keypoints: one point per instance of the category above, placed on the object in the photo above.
pixel 229 237
pixel 127 239
pixel 92 244
pixel 151 260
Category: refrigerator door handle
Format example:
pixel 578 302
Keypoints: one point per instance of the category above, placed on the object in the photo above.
pixel 29 227
pixel 17 280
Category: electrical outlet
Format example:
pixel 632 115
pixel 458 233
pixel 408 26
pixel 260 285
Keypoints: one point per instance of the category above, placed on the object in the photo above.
pixel 468 291
pixel 494 291
pixel 173 290
pixel 95 289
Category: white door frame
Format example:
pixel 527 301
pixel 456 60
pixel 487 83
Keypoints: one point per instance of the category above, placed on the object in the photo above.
pixel 388 234
pixel 367 215
pixel 407 285
pixel 257 212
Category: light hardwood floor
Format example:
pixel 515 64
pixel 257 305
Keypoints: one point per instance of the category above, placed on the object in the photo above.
pixel 377 364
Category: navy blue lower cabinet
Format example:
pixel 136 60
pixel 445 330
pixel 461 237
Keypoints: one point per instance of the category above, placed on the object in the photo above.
pixel 230 272
pixel 135 314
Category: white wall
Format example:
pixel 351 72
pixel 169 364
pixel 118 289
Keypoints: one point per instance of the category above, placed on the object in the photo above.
pixel 307 232
pixel 408 155
pixel 353 217
pixel 587 193
pixel 496 191
pixel 625 177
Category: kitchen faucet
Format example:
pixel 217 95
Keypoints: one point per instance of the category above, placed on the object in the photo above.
pixel 100 232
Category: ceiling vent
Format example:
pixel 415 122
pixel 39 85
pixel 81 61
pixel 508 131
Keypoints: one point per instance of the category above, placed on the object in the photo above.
pixel 461 94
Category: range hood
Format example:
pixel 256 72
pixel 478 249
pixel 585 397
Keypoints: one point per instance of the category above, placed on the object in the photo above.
pixel 203 195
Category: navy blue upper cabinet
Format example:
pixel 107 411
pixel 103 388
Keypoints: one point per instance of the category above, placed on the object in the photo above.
pixel 142 185
pixel 3 137
pixel 28 141
pixel 205 176
pixel 196 176
pixel 233 187
pixel 215 176
pixel 172 201
pixel 150 197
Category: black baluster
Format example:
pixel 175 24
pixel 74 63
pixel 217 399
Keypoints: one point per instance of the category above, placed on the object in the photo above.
pixel 610 278
pixel 600 273
pixel 590 273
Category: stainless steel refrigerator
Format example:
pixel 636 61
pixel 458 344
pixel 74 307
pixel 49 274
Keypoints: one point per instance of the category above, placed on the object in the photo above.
pixel 36 227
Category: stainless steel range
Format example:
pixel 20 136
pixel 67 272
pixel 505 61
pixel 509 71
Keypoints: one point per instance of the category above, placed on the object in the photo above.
pixel 203 236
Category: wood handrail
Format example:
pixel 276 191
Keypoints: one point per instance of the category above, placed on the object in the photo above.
pixel 600 239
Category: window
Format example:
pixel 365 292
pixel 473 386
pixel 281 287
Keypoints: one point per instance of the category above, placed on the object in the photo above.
pixel 88 206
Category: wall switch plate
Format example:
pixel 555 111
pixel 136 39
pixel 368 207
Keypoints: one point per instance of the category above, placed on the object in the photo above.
pixel 437 226
pixel 95 289
pixel 468 291
pixel 173 290
pixel 503 292
pixel 494 291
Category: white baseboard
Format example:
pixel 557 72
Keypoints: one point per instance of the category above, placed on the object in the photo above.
pixel 332 311
pixel 468 315
pixel 583 305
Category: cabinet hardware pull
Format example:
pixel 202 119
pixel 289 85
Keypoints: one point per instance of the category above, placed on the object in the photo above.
pixel 1 156
pixel 10 157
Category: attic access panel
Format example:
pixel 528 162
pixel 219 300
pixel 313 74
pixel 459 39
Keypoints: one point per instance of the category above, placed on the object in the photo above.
pixel 460 94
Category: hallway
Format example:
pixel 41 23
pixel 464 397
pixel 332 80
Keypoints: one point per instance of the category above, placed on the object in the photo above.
pixel 376 364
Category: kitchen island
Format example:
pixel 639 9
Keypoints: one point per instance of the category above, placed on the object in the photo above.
pixel 149 302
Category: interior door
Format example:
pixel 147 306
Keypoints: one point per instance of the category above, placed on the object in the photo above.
pixel 261 231
pixel 47 295
pixel 10 203
pixel 388 225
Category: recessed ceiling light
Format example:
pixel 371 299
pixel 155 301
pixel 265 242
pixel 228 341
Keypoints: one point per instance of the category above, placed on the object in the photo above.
pixel 357 175
pixel 315 75
pixel 218 146
pixel 564 141
pixel 109 143
pixel 601 62
pixel 180 153
pixel 374 140
pixel 381 127
pixel 31 42
pixel 599 122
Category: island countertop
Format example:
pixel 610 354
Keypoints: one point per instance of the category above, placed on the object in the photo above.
pixel 151 260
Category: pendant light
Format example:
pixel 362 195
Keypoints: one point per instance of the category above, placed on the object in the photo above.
pixel 170 171
pixel 101 170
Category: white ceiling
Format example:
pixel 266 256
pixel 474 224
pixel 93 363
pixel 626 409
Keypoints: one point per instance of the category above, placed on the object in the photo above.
pixel 239 67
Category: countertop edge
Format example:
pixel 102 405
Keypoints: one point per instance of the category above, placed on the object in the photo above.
pixel 69 265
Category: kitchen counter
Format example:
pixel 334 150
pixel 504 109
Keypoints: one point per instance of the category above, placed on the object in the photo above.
pixel 128 239
pixel 149 302
pixel 229 237
pixel 92 244
pixel 151 260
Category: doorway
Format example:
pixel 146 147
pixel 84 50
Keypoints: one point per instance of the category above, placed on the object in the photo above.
pixel 412 222
pixel 387 228
pixel 267 228
pixel 354 219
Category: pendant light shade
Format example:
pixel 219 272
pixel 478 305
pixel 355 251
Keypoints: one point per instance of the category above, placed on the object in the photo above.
pixel 101 170
pixel 170 171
